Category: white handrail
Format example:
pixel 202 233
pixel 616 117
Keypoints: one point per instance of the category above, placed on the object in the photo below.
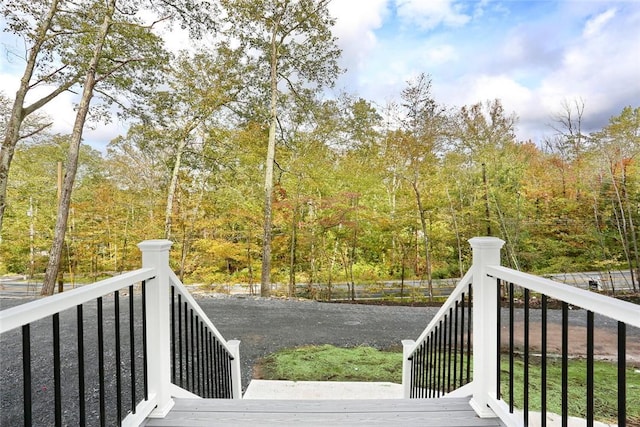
pixel 462 286
pixel 616 309
pixel 175 281
pixel 24 314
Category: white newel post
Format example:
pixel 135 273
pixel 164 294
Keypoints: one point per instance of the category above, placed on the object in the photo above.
pixel 407 346
pixel 486 251
pixel 236 378
pixel 155 254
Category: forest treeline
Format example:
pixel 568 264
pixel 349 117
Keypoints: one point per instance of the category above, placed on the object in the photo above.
pixel 350 191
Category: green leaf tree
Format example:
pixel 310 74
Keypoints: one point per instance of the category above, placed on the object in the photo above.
pixel 289 50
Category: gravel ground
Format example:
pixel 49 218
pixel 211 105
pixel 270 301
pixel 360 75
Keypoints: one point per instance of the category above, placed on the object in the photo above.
pixel 262 325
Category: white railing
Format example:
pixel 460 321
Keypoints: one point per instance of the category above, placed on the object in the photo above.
pixel 485 274
pixel 158 278
pixel 232 347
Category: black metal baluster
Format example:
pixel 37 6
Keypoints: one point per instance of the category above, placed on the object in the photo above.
pixel 526 358
pixel 145 367
pixel 116 306
pixel 227 363
pixel 56 370
pixel 173 335
pixel 511 371
pixel 212 366
pixel 412 384
pixel 26 374
pixel 439 359
pixel 201 352
pixel 431 365
pixel 225 382
pixel 101 363
pixel 462 325
pixel 498 338
pixel 196 354
pixel 192 351
pixel 622 374
pixel 565 364
pixel 216 371
pixel 543 363
pixel 590 349
pixel 420 370
pixel 449 349
pixel 455 346
pixel 423 369
pixel 210 363
pixel 186 346
pixel 132 350
pixel 180 339
pixel 205 362
pixel 81 403
pixel 469 326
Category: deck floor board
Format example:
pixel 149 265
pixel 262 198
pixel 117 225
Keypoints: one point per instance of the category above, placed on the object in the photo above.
pixel 370 412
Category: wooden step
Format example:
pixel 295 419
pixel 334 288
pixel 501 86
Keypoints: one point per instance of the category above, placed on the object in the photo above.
pixel 369 412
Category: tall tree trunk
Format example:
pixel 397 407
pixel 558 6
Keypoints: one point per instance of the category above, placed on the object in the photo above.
pixel 72 157
pixel 425 235
pixel 457 232
pixel 265 278
pixel 487 211
pixel 173 185
pixel 292 253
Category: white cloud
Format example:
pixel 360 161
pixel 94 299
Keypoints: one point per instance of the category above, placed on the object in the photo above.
pixel 594 25
pixel 429 14
pixel 441 54
pixel 356 21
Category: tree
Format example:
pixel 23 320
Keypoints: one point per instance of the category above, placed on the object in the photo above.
pixel 43 25
pixel 113 51
pixel 294 39
pixel 618 145
pixel 419 143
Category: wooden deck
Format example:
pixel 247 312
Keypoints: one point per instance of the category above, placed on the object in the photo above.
pixel 370 412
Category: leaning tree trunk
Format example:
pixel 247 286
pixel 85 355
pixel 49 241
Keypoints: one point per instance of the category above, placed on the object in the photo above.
pixel 72 158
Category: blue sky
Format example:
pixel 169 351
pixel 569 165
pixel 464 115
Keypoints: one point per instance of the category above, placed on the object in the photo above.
pixel 533 55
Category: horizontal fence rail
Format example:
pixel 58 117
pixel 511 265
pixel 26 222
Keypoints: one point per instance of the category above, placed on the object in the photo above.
pixel 89 363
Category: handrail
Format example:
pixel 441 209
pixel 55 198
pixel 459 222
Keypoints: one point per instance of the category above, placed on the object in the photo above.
pixel 438 362
pixel 149 335
pixel 426 366
pixel 616 309
pixel 175 281
pixel 24 314
pixel 451 300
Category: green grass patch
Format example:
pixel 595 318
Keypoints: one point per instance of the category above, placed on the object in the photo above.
pixel 605 384
pixel 329 363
